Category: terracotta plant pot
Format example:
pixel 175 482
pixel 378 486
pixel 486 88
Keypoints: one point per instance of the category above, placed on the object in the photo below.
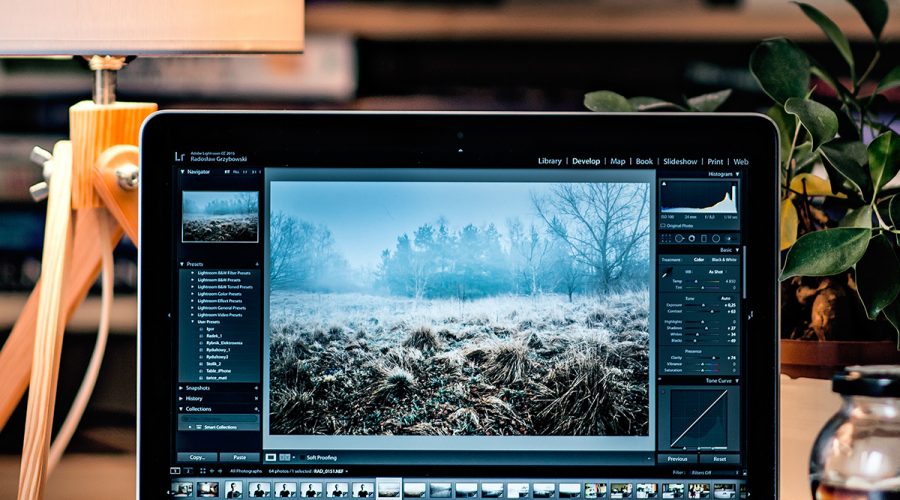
pixel 805 358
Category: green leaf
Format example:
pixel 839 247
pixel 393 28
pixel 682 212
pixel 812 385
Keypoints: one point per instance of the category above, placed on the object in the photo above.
pixel 652 104
pixel 781 69
pixel 709 102
pixel 890 80
pixel 805 159
pixel 883 209
pixel 838 183
pixel 858 217
pixel 831 30
pixel 874 13
pixel 878 276
pixel 892 313
pixel 818 119
pixel 606 101
pixel 789 223
pixel 786 123
pixel 884 159
pixel 848 158
pixel 826 252
pixel 894 211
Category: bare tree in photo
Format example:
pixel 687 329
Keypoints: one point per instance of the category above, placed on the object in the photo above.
pixel 283 236
pixel 423 261
pixel 531 255
pixel 248 202
pixel 570 276
pixel 605 225
pixel 568 272
pixel 299 252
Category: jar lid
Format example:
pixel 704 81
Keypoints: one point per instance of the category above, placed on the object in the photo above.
pixel 880 381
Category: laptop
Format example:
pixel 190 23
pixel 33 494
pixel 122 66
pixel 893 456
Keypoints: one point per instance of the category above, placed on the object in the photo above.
pixel 458 305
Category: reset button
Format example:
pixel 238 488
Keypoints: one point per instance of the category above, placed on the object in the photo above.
pixel 723 458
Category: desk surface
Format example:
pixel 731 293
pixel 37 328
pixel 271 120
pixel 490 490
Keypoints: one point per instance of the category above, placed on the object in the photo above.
pixel 806 405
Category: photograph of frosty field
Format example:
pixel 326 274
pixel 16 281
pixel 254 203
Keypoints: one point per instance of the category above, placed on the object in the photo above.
pixel 220 217
pixel 459 309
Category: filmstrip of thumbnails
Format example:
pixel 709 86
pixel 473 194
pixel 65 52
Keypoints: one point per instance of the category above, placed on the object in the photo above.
pixel 413 489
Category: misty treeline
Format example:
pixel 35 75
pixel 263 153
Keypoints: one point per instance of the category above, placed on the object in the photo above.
pixel 303 257
pixel 585 238
pixel 243 203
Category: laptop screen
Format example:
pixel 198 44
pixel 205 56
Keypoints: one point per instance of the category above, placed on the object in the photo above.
pixel 570 331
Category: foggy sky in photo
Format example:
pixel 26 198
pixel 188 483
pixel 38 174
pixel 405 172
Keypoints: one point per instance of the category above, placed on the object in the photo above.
pixel 198 201
pixel 366 218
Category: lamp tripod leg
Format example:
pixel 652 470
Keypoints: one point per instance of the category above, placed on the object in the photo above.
pixel 15 357
pixel 48 329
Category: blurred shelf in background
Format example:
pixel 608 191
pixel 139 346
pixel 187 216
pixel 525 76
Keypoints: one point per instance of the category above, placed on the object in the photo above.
pixel 123 320
pixel 324 73
pixel 582 20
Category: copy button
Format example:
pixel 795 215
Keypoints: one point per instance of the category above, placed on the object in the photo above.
pixel 197 457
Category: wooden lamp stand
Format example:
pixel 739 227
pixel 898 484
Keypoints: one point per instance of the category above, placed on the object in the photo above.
pixel 92 202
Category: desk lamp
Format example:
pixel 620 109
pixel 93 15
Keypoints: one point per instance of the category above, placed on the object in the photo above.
pixel 91 179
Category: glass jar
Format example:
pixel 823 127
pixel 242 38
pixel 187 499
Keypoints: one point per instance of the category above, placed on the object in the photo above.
pixel 857 454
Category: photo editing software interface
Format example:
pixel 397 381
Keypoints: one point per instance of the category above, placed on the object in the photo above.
pixel 570 331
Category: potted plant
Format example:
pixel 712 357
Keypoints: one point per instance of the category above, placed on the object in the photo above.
pixel 840 214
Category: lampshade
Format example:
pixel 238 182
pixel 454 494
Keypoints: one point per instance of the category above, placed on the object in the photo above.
pixel 158 27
